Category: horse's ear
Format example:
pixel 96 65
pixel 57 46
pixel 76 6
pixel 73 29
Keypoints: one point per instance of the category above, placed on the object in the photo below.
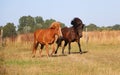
pixel 52 27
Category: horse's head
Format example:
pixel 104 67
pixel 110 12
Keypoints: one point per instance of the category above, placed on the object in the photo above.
pixel 57 27
pixel 78 26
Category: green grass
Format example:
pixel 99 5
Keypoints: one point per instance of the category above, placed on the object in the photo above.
pixel 100 59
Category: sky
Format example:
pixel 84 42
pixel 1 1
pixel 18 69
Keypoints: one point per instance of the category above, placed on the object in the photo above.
pixel 98 12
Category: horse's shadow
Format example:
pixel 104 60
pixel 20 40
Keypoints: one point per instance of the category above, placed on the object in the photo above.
pixel 61 55
pixel 83 52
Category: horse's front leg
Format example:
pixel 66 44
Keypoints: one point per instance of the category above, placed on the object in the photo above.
pixel 47 51
pixel 79 47
pixel 65 44
pixel 53 47
pixel 42 46
pixel 69 47
pixel 58 45
pixel 56 49
pixel 34 48
pixel 59 41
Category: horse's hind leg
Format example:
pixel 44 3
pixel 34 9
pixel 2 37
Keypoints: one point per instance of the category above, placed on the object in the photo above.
pixel 42 46
pixel 79 47
pixel 47 51
pixel 53 47
pixel 34 48
pixel 65 44
pixel 69 47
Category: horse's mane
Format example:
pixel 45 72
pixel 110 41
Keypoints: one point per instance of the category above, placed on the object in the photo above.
pixel 76 22
pixel 55 25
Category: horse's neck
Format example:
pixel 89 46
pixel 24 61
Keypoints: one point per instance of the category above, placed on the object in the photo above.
pixel 75 30
pixel 53 32
pixel 54 35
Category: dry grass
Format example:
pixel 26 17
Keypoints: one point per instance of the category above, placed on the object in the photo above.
pixel 102 58
pixel 103 37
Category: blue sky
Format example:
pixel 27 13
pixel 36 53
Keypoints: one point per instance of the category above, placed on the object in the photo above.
pixel 99 12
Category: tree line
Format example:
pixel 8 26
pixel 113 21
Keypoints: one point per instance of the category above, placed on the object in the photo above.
pixel 28 24
pixel 93 27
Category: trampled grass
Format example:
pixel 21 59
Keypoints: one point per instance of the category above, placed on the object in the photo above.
pixel 99 58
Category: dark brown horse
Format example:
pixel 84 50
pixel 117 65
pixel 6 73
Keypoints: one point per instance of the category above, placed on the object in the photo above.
pixel 72 34
pixel 46 37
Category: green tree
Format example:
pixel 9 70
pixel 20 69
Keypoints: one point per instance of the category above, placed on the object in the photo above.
pixel 0 30
pixel 9 30
pixel 116 27
pixel 48 23
pixel 24 22
pixel 91 27
pixel 39 22
pixel 1 27
pixel 62 25
pixel 39 19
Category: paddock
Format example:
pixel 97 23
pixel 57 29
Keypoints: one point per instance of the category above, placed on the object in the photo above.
pixel 100 58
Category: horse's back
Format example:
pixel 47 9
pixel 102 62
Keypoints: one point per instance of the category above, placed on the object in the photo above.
pixel 69 34
pixel 38 34
pixel 44 36
pixel 67 31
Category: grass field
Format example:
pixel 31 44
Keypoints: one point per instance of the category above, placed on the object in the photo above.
pixel 101 57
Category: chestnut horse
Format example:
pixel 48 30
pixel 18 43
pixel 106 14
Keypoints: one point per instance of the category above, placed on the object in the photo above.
pixel 72 34
pixel 46 37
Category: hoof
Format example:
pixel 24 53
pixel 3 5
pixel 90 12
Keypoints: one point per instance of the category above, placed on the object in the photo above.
pixel 69 53
pixel 80 52
pixel 63 53
pixel 48 55
pixel 33 56
pixel 55 52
